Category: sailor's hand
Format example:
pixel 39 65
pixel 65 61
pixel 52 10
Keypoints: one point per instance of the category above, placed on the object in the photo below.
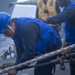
pixel 65 44
pixel 58 27
pixel 12 72
pixel 44 20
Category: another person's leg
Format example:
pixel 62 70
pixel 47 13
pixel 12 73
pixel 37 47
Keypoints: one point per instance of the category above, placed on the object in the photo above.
pixel 44 70
pixel 72 64
pixel 72 68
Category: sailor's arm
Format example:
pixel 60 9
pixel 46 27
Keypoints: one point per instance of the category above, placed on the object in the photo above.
pixel 61 17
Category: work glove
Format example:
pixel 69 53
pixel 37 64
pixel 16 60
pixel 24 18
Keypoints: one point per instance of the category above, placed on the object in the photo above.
pixel 65 44
pixel 12 72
